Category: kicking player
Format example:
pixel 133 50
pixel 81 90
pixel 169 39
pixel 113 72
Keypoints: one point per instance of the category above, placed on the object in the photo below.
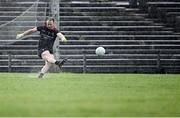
pixel 48 34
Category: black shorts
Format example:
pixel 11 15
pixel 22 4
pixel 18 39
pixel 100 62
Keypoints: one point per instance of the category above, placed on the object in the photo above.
pixel 40 51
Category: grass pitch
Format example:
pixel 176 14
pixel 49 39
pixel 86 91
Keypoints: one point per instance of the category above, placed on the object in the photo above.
pixel 101 95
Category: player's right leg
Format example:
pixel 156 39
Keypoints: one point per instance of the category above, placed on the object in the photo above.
pixel 60 63
pixel 46 55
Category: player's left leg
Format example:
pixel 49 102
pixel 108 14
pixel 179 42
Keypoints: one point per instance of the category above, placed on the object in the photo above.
pixel 44 69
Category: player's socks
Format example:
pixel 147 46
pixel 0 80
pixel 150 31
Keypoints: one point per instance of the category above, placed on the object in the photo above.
pixel 60 63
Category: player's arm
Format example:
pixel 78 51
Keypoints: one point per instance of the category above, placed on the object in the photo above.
pixel 62 37
pixel 27 32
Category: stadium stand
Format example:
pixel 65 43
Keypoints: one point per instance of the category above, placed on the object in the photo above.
pixel 21 18
pixel 165 11
pixel 134 42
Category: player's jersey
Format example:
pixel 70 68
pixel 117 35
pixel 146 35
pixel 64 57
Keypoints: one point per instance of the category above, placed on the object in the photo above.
pixel 47 37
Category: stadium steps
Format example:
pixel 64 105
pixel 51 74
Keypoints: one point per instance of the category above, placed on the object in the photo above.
pixel 136 63
pixel 168 15
pixel 132 41
pixel 125 37
pixel 13 14
pixel 10 9
pixel 130 32
pixel 13 20
pixel 116 32
pixel 111 28
pixel 163 11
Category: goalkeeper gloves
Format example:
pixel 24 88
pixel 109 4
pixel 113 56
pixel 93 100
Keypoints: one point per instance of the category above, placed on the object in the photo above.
pixel 18 36
pixel 64 39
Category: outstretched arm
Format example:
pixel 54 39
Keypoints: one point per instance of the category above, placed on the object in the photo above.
pixel 62 37
pixel 27 32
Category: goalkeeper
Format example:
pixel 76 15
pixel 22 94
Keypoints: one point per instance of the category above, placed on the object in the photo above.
pixel 48 34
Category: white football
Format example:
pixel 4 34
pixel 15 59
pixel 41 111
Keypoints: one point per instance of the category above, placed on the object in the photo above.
pixel 100 51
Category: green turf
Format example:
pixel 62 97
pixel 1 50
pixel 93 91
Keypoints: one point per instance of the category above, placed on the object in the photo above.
pixel 66 94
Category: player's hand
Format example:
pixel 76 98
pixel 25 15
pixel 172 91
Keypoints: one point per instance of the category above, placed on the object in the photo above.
pixel 18 36
pixel 64 40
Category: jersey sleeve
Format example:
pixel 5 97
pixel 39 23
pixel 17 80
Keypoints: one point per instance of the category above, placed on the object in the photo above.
pixel 39 28
pixel 56 31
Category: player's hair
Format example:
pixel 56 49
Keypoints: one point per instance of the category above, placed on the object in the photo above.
pixel 48 19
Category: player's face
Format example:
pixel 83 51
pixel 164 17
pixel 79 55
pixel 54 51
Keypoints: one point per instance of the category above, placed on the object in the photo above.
pixel 50 25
